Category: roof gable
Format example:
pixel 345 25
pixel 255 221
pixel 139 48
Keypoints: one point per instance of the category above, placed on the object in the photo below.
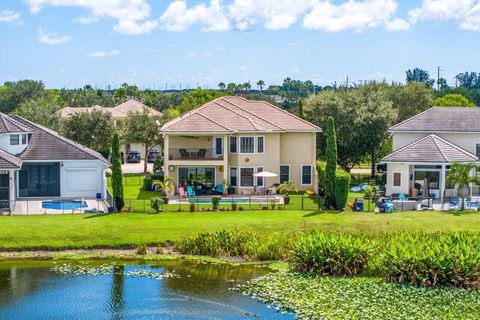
pixel 442 119
pixel 431 149
pixel 237 114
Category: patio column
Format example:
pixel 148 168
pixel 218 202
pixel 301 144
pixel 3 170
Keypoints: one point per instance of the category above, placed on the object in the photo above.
pixel 11 189
pixel 225 159
pixel 443 180
pixel 166 155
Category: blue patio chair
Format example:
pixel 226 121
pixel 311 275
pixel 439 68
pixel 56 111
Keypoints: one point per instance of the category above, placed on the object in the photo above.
pixel 454 205
pixel 388 206
pixel 190 191
pixel 402 197
pixel 219 189
pixel 471 205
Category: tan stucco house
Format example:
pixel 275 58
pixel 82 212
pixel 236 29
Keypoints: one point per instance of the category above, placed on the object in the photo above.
pixel 119 113
pixel 230 139
pixel 425 146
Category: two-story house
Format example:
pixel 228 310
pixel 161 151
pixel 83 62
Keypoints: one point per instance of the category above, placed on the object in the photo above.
pixel 37 163
pixel 228 140
pixel 427 144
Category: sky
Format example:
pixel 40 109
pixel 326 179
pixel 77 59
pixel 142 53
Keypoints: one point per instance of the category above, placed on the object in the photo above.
pixel 160 44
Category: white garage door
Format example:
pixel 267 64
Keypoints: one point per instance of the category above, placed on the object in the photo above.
pixel 81 182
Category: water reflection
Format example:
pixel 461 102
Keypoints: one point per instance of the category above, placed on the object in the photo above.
pixel 200 292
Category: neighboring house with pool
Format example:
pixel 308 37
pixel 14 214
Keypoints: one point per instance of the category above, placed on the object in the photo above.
pixel 224 143
pixel 38 164
pixel 425 146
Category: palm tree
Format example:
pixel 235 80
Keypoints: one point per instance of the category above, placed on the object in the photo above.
pixel 260 84
pixel 166 185
pixel 461 174
pixel 222 86
pixel 231 87
pixel 247 86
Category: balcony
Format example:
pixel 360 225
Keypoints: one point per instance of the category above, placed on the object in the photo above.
pixel 195 154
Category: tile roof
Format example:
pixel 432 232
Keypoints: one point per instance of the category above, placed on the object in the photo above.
pixel 237 114
pixel 431 149
pixel 9 161
pixel 442 119
pixel 118 112
pixel 46 144
pixel 9 124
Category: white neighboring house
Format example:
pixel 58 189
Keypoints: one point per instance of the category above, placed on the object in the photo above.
pixel 37 163
pixel 427 144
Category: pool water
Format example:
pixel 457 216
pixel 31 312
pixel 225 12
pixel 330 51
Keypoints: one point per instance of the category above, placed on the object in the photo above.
pixel 33 290
pixel 64 205
pixel 222 201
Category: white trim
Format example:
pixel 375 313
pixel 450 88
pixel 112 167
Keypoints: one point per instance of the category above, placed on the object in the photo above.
pixel 301 175
pixel 240 176
pixel 236 144
pixel 256 144
pixel 393 179
pixel 289 171
pixel 240 145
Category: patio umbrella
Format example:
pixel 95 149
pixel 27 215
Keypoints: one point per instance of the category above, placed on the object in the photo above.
pixel 265 174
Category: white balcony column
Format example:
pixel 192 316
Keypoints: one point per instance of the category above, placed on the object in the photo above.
pixel 166 154
pixel 443 180
pixel 225 158
pixel 11 189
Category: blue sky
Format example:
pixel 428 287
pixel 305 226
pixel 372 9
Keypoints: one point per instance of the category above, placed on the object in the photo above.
pixel 69 43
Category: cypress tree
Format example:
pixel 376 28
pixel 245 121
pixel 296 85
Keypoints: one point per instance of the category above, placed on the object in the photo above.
pixel 300 109
pixel 117 183
pixel 331 166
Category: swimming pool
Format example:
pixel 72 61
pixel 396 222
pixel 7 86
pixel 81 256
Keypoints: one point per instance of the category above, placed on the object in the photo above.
pixel 64 205
pixel 222 201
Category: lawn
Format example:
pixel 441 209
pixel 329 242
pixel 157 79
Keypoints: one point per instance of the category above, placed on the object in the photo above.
pixel 131 229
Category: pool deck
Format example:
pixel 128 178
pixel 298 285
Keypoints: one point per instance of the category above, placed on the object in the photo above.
pixel 34 207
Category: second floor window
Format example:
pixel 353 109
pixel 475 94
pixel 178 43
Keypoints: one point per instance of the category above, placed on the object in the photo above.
pixel 14 140
pixel 260 144
pixel 233 144
pixel 247 144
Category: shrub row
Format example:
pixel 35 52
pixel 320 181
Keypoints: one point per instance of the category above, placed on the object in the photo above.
pixel 423 259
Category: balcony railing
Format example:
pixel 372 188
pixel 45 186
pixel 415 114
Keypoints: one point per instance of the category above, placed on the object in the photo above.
pixel 195 154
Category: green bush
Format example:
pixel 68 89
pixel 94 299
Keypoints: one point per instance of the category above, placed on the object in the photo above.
pixel 216 202
pixel 157 204
pixel 147 182
pixel 441 259
pixel 342 186
pixel 332 253
pixel 331 164
pixel 192 207
pixel 321 173
pixel 234 206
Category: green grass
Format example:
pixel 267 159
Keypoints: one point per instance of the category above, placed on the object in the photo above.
pixel 132 229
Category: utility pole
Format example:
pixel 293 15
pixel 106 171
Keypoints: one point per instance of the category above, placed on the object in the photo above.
pixel 438 78
pixel 347 81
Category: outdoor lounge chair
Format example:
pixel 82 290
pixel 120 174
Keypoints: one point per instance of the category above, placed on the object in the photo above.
pixel 201 153
pixel 184 154
pixel 471 205
pixel 182 192
pixel 190 192
pixel 219 189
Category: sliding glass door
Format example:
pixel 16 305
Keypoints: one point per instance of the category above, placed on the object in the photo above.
pixel 196 176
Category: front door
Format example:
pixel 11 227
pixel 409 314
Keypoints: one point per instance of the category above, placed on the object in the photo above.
pixel 4 191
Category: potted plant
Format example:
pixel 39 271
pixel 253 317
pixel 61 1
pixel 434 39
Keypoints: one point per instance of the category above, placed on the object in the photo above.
pixel 165 186
pixel 285 188
pixel 226 187
pixel 216 202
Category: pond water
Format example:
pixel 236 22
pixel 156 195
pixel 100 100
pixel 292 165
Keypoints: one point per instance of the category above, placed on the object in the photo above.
pixel 167 290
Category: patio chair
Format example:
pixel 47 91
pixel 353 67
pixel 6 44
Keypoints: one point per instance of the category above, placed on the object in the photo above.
pixel 219 189
pixel 184 154
pixel 190 192
pixel 471 205
pixel 201 153
pixel 454 204
pixel 182 192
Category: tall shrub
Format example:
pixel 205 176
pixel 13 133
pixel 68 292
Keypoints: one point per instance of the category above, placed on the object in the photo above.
pixel 117 183
pixel 342 185
pixel 331 166
pixel 321 173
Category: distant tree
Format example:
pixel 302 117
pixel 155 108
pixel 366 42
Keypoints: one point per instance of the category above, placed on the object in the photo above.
pixel 247 86
pixel 300 109
pixel 117 177
pixel 453 100
pixel 260 84
pixel 469 80
pixel 12 94
pixel 44 111
pixel 419 75
pixel 410 100
pixel 231 87
pixel 195 98
pixel 331 165
pixel 442 84
pixel 222 86
pixel 120 94
pixel 141 127
pixel 92 129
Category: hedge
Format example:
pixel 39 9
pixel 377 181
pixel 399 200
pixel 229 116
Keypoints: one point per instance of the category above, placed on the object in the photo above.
pixel 342 185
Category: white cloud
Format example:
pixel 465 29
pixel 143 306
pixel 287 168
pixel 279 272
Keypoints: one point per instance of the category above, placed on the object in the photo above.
pixel 465 12
pixel 178 17
pixel 103 54
pixel 131 15
pixel 51 38
pixel 10 16
pixel 397 25
pixel 351 15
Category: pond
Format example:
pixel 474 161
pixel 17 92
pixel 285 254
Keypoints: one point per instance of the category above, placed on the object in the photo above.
pixel 133 290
